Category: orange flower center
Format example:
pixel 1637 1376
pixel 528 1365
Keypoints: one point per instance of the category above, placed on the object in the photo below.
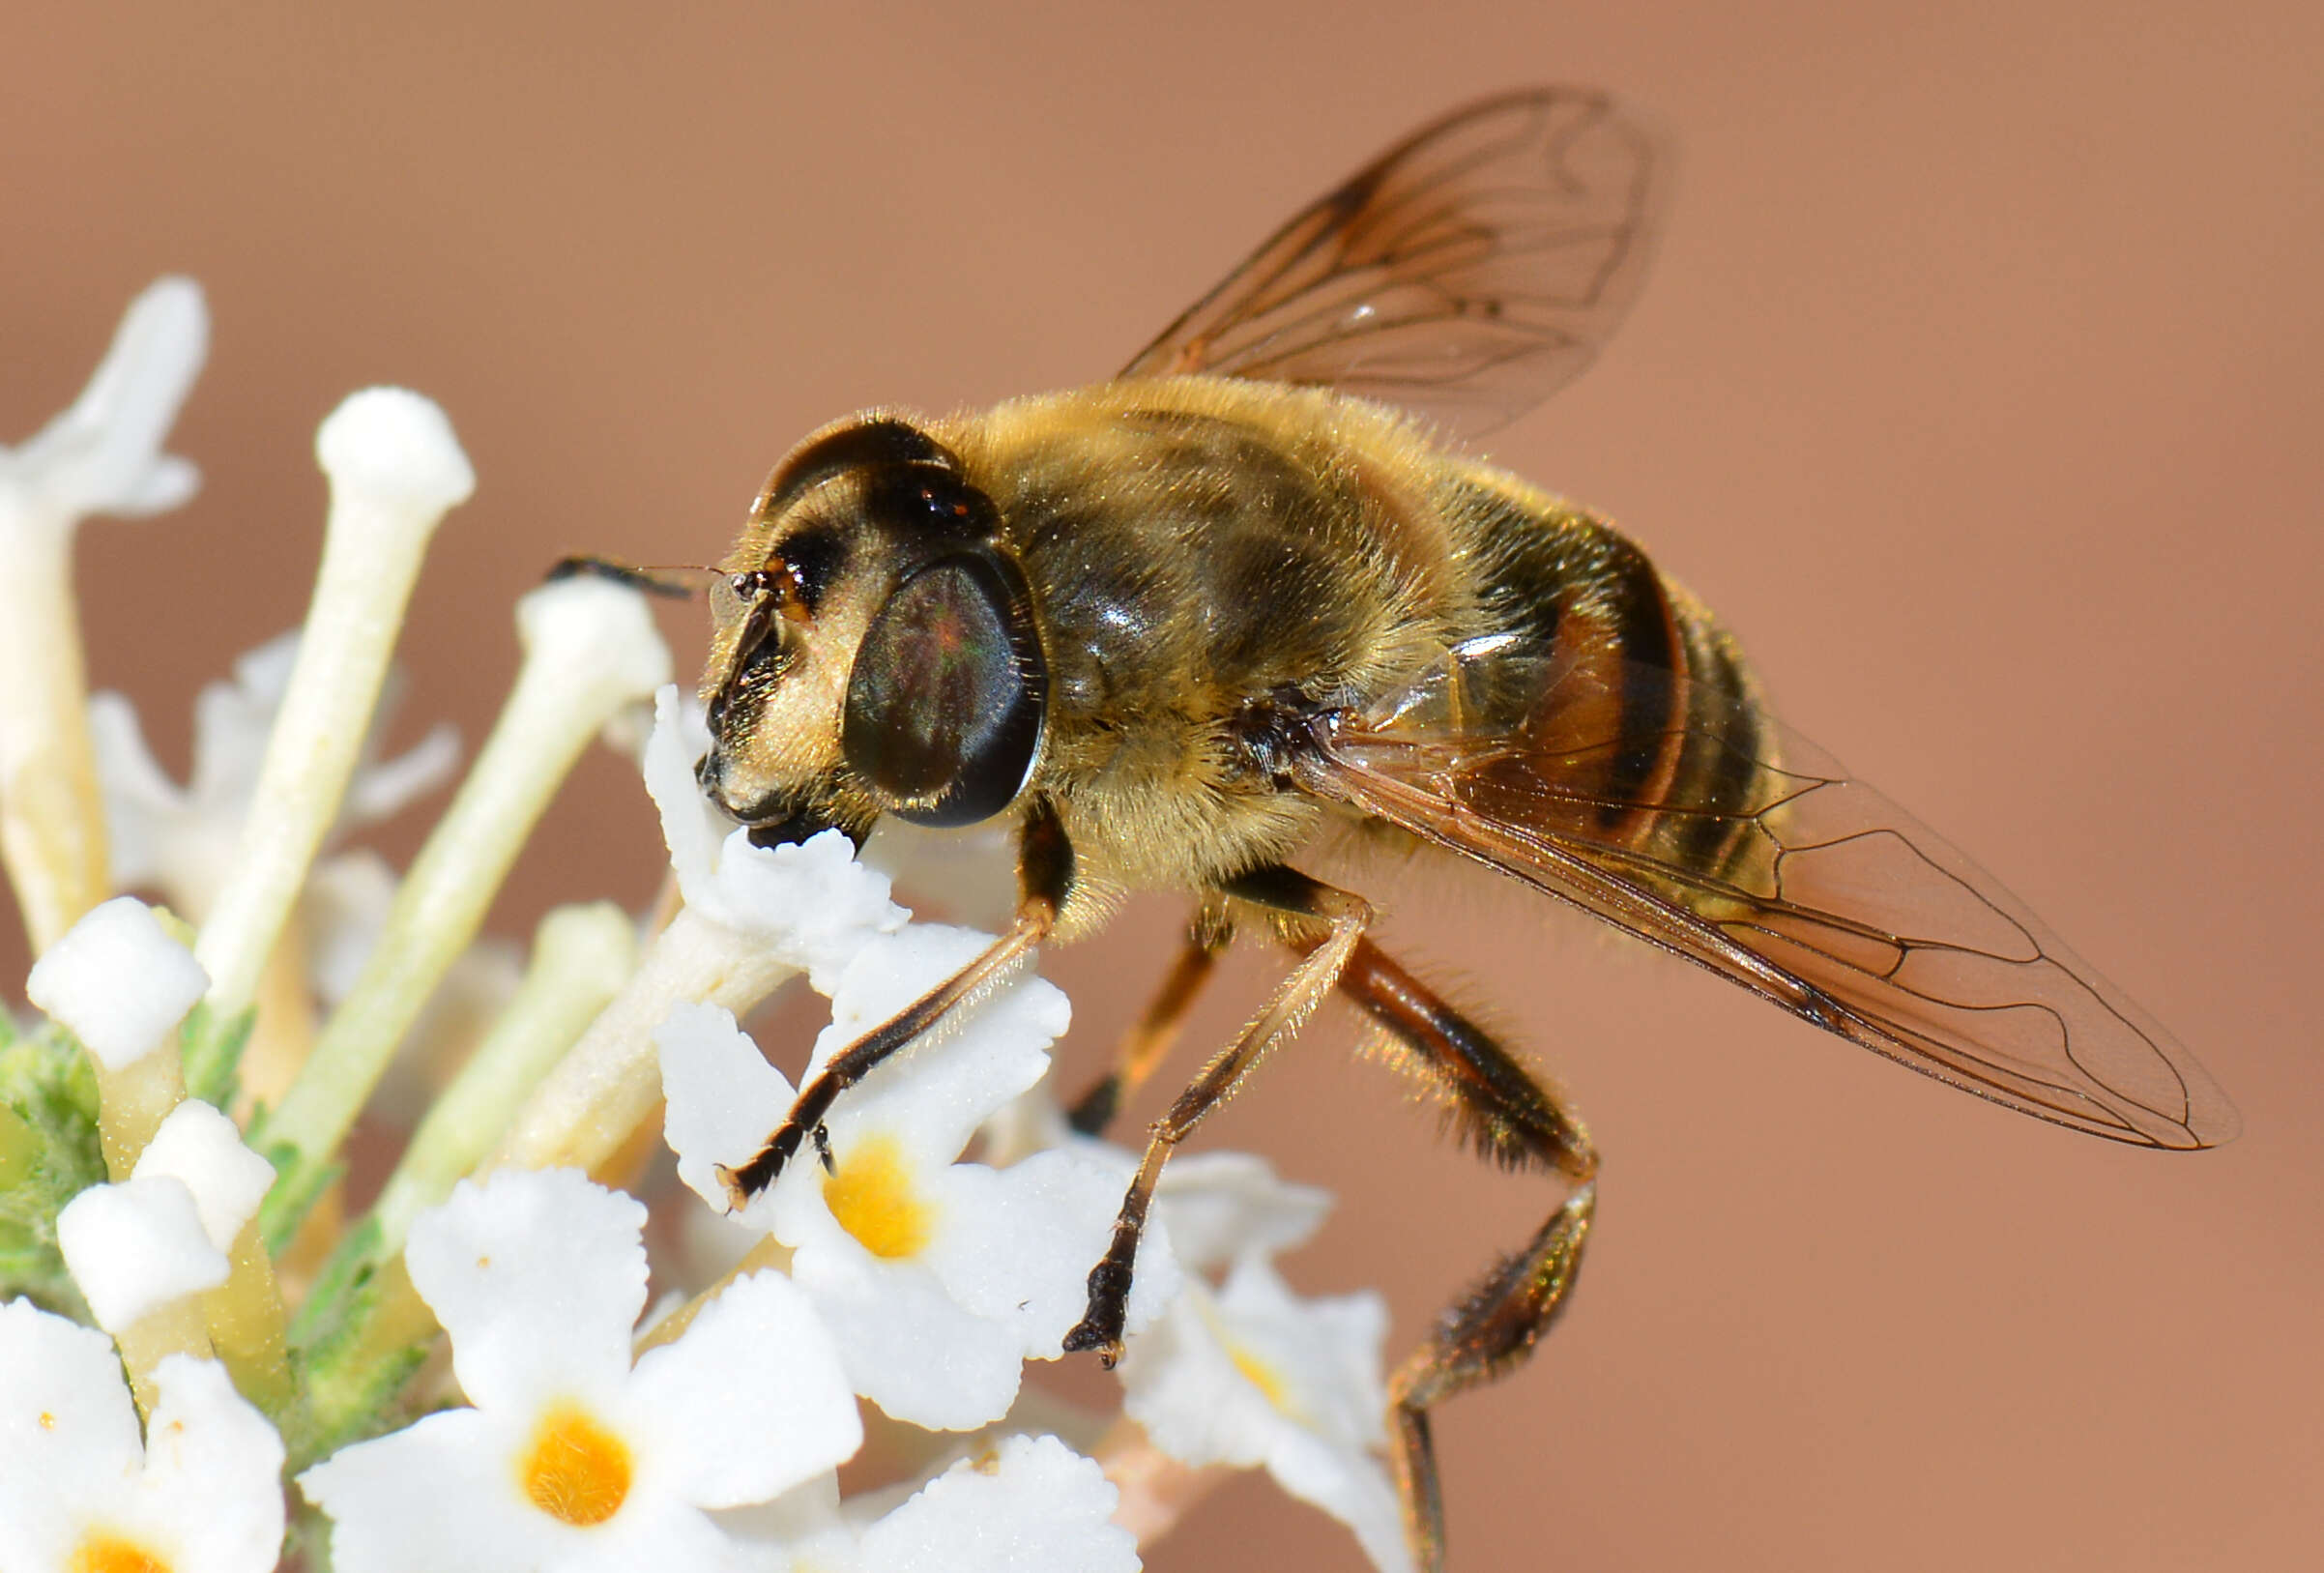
pixel 1262 1375
pixel 871 1196
pixel 576 1470
pixel 102 1551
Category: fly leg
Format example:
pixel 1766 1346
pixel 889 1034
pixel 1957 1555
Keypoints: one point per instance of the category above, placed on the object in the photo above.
pixel 1500 1110
pixel 1045 876
pixel 1142 1048
pixel 1282 890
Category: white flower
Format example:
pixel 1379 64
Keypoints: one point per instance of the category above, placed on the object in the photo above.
pixel 1036 1507
pixel 940 1278
pixel 1254 1375
pixel 813 904
pixel 572 1458
pixel 180 840
pixel 103 455
pixel 79 1493
pixel 1222 1207
pixel 1217 1206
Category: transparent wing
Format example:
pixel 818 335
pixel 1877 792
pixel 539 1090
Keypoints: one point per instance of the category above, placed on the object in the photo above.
pixel 1755 856
pixel 1466 274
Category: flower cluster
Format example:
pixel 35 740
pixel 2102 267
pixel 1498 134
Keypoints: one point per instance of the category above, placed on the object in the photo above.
pixel 208 1359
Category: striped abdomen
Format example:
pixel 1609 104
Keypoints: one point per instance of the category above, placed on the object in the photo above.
pixel 1641 712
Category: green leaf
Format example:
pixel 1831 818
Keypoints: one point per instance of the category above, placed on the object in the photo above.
pixel 48 1155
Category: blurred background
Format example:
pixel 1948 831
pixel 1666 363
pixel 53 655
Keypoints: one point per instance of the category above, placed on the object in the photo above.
pixel 1977 386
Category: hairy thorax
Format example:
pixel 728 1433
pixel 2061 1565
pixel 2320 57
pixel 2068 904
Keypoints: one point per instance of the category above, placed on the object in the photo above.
pixel 1196 548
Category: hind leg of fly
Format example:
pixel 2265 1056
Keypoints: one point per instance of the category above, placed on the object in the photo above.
pixel 1499 1110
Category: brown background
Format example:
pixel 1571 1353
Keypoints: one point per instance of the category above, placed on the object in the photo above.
pixel 1977 386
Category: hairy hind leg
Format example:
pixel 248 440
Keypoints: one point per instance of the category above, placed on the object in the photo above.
pixel 1508 1117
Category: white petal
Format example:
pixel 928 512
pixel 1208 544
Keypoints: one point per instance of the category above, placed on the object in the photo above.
pixel 67 1431
pixel 794 1212
pixel 437 1496
pixel 1034 1123
pixel 380 788
pixel 1351 1487
pixel 690 828
pixel 103 455
pixel 805 1515
pixel 444 1497
pixel 212 1471
pixel 1180 1382
pixel 652 1533
pixel 117 981
pixel 836 1549
pixel 1020 1242
pixel 1324 1353
pixel 137 1245
pixel 751 1401
pixel 205 1150
pixel 908 1346
pixel 1256 1375
pixel 1041 1507
pixel 1221 1206
pixel 813 903
pixel 144 808
pixel 538 1277
pixel 231 721
pixel 723 1097
pixel 342 911
pixel 935 1094
pixel 970 874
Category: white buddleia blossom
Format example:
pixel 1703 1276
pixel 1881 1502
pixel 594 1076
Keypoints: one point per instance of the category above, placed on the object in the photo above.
pixel 180 840
pixel 1033 1506
pixel 571 1456
pixel 81 1493
pixel 941 1277
pixel 813 903
pixel 103 455
pixel 1251 1374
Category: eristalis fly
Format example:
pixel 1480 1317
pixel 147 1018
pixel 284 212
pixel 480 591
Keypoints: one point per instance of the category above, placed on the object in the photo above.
pixel 1181 628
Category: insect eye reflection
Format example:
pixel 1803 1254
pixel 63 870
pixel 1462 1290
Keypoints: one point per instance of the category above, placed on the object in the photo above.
pixel 945 703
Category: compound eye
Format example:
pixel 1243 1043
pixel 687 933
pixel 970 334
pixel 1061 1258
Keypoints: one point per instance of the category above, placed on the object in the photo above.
pixel 947 698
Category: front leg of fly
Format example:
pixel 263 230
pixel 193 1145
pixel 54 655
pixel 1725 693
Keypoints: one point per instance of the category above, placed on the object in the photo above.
pixel 1045 876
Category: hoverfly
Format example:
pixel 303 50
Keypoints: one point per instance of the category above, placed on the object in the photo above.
pixel 1179 628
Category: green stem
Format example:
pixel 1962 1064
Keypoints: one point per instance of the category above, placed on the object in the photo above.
pixel 566 691
pixel 580 957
